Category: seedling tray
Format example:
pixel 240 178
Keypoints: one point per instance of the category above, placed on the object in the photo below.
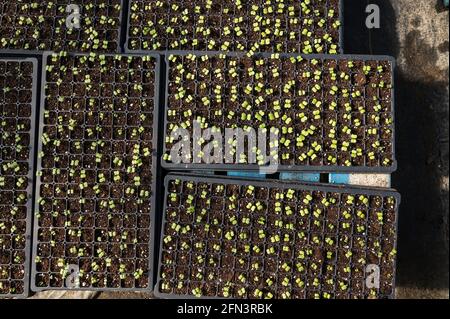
pixel 96 194
pixel 18 96
pixel 147 37
pixel 247 252
pixel 353 118
pixel 53 33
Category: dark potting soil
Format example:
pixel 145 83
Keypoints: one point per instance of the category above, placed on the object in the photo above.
pixel 96 172
pixel 16 85
pixel 328 112
pixel 42 25
pixel 294 244
pixel 258 26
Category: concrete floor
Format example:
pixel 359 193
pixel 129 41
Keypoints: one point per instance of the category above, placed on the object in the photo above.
pixel 416 34
pixel 423 152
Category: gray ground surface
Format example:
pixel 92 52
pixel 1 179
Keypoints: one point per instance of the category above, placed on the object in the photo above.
pixel 416 34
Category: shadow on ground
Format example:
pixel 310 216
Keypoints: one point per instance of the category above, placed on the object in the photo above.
pixel 422 148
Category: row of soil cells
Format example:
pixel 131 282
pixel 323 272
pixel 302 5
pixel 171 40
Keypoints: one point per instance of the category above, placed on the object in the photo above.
pixel 255 241
pixel 53 26
pixel 97 172
pixel 228 25
pixel 16 96
pixel 327 112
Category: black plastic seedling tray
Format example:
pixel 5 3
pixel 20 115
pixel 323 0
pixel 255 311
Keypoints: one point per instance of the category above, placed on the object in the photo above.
pixel 279 186
pixel 29 190
pixel 285 168
pixel 148 230
pixel 166 39
pixel 119 40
